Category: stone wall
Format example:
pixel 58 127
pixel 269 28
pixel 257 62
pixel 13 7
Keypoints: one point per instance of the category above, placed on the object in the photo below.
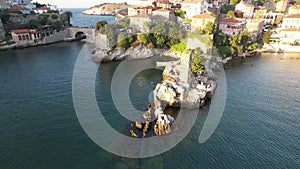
pixel 2 31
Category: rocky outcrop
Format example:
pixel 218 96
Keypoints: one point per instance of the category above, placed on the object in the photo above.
pixel 179 88
pixel 138 52
pixel 106 9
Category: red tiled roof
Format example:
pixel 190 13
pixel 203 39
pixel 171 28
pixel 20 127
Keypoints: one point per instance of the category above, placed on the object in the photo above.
pixel 230 20
pixel 16 7
pixel 162 10
pixel 21 31
pixel 164 2
pixel 249 5
pixel 291 29
pixel 205 16
pixel 293 16
pixel 43 8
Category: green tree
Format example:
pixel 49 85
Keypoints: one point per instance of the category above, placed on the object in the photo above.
pixel 143 38
pixel 259 14
pixel 266 37
pixel 123 40
pixel 100 24
pixel 220 39
pixel 181 46
pixel 297 2
pixel 209 28
pixel 198 61
pixel 54 16
pixel 225 51
pixel 234 2
pixel 69 15
pixel 244 37
pixel 38 4
pixel 180 13
pixel 231 14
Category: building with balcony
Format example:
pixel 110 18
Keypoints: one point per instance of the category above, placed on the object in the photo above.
pixel 291 21
pixel 231 26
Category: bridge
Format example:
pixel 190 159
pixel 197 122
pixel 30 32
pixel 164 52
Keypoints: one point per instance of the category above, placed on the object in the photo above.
pixel 77 32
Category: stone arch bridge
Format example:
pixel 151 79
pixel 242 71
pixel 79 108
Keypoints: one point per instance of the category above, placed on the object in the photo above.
pixel 89 32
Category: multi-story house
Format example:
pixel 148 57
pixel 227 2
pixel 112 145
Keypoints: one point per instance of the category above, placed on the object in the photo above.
pixel 246 9
pixel 295 9
pixel 231 26
pixel 273 17
pixel 140 10
pixel 192 8
pixel 291 21
pixel 198 21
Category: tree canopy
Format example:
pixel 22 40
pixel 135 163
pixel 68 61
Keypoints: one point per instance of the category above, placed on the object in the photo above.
pixel 209 28
pixel 231 14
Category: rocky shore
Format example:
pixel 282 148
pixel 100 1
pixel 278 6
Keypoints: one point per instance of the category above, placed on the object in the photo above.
pixel 137 52
pixel 178 88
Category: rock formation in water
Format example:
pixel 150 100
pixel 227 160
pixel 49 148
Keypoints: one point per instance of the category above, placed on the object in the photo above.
pixel 106 9
pixel 179 88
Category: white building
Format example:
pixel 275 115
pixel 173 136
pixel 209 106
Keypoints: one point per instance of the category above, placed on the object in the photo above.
pixel 192 8
pixel 41 10
pixel 247 9
pixel 291 21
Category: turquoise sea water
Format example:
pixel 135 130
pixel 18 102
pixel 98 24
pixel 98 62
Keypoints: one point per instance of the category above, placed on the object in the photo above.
pixel 79 19
pixel 39 128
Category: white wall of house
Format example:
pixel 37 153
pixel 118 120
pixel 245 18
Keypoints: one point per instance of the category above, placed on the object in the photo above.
pixel 290 23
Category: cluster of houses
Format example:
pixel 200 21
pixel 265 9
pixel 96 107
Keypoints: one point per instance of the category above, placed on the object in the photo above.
pixel 248 15
pixel 26 7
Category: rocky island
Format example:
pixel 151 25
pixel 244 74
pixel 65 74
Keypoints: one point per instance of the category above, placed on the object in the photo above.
pixel 106 9
pixel 179 88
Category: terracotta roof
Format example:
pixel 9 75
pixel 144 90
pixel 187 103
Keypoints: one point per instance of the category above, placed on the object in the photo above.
pixel 161 10
pixel 204 15
pixel 230 20
pixel 249 5
pixel 43 8
pixel 164 2
pixel 291 29
pixel 21 31
pixel 16 7
pixel 293 16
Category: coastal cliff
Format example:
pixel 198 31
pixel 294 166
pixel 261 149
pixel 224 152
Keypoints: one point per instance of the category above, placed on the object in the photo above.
pixel 106 9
